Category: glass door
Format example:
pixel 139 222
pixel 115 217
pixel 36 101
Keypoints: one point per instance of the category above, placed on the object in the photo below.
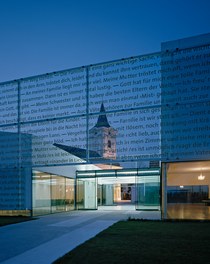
pixel 86 193
pixel 147 192
pixel 107 194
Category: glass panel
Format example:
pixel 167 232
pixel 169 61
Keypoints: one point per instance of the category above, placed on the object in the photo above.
pixel 15 179
pixel 69 194
pixel 188 185
pixel 125 136
pixel 148 192
pixel 125 84
pixel 107 194
pixel 185 104
pixel 56 142
pixel 184 132
pixel 117 192
pixel 41 193
pixel 80 194
pixel 9 147
pixel 87 193
pixel 53 95
pixel 58 194
pixel 9 103
pixel 99 195
pixel 15 189
pixel 52 193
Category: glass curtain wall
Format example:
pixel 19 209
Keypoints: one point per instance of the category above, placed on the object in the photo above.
pixel 142 109
pixel 52 193
pixel 95 188
pixel 186 190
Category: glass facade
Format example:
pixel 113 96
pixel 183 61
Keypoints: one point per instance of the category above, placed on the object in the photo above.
pixel 140 187
pixel 51 193
pixel 185 98
pixel 128 113
pixel 187 190
pixel 148 192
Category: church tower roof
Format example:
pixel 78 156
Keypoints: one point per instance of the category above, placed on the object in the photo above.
pixel 102 118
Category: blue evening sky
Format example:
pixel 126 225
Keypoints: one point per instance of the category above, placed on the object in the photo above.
pixel 40 36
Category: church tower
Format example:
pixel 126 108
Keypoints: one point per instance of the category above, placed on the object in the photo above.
pixel 102 137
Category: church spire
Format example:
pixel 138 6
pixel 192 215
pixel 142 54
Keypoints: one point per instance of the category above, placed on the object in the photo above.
pixel 102 119
pixel 102 137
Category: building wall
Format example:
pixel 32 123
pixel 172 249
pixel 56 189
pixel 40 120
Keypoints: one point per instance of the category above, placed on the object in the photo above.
pixel 186 99
pixel 15 175
pixel 158 103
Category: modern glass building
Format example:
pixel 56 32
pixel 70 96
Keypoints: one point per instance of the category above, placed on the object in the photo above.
pixel 132 131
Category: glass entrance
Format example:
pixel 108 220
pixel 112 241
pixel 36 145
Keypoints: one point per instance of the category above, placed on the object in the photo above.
pixel 137 187
pixel 105 194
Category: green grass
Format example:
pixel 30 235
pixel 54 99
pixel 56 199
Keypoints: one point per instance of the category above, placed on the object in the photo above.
pixel 7 220
pixel 146 242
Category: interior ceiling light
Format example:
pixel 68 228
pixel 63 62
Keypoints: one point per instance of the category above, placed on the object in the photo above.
pixel 201 177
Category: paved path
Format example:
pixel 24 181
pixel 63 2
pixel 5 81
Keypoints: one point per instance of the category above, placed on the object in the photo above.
pixel 47 238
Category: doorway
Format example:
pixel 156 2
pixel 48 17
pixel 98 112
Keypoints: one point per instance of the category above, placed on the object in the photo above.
pixel 136 189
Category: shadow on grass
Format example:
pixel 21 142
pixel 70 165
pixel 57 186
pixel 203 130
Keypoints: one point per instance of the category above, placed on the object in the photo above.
pixel 137 241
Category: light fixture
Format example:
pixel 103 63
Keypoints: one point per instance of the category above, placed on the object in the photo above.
pixel 201 177
pixel 181 186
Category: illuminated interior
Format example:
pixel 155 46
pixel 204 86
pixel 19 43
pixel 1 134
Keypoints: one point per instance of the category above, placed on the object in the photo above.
pixel 188 190
pixel 141 188
pixel 51 193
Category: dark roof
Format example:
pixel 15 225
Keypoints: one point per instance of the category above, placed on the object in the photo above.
pixel 81 153
pixel 102 119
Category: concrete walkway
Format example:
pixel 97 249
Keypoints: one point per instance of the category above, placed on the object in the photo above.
pixel 47 238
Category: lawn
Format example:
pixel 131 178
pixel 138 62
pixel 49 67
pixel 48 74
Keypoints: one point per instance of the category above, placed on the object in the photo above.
pixel 146 242
pixel 7 220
